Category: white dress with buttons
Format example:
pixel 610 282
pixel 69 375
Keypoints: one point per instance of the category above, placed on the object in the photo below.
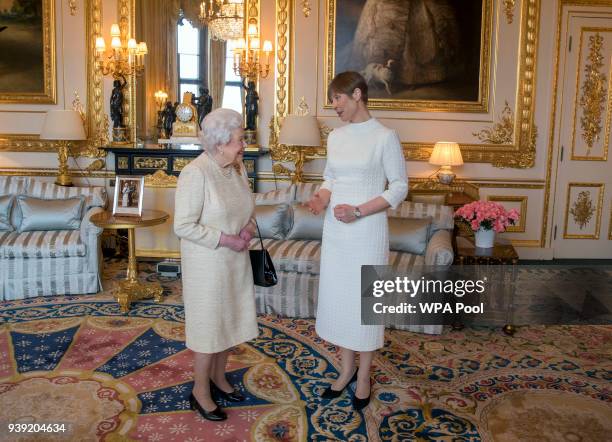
pixel 361 159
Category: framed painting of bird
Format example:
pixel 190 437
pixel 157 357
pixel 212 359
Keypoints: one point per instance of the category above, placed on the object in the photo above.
pixel 430 55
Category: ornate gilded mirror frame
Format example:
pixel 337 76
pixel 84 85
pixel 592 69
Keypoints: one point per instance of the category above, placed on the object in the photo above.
pixel 510 142
pixel 95 120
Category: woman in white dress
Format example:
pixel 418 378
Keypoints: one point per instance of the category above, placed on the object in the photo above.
pixel 362 158
pixel 213 218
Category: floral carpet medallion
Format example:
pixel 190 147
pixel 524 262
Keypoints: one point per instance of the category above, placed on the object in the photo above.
pixel 108 376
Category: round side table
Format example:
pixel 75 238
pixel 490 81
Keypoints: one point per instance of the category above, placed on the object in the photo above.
pixel 130 289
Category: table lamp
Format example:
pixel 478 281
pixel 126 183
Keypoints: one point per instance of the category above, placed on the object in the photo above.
pixel 63 126
pixel 446 154
pixel 301 132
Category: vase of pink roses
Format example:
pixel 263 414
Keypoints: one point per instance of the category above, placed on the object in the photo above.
pixel 486 218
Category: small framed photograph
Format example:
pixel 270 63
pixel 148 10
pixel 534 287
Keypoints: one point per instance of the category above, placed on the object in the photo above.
pixel 129 191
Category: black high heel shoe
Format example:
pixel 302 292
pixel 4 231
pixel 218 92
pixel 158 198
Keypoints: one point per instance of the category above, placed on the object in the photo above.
pixel 332 394
pixel 232 396
pixel 360 403
pixel 216 415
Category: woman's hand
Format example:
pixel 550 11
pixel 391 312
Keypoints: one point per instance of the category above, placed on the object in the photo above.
pixel 345 213
pixel 234 242
pixel 318 202
pixel 246 233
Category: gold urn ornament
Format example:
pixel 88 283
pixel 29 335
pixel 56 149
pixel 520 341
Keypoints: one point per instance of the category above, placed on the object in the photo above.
pixel 186 118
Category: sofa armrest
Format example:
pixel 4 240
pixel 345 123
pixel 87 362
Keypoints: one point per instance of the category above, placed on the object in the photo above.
pixel 439 249
pixel 87 227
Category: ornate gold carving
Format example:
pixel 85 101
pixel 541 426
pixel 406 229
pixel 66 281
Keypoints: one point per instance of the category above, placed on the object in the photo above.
pixel 49 93
pixel 249 165
pixel 593 93
pixel 150 163
pixel 98 164
pixel 283 32
pixel 501 132
pixel 160 179
pixel 306 8
pixel 610 225
pixel 583 209
pixel 178 163
pixel 73 7
pixel 123 162
pixel 509 9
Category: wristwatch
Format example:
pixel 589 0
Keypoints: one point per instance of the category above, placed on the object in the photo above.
pixel 357 212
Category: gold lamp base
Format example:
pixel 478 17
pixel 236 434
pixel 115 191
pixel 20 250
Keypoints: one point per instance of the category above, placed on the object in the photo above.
pixel 63 176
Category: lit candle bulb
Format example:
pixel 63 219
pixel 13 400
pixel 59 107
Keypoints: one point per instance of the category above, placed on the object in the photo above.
pixel 100 45
pixel 115 32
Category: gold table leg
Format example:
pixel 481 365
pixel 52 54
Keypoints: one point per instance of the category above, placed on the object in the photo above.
pixel 130 289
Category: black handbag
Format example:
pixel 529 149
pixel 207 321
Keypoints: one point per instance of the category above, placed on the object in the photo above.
pixel 264 274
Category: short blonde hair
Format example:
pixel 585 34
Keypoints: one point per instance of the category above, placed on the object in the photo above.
pixel 217 128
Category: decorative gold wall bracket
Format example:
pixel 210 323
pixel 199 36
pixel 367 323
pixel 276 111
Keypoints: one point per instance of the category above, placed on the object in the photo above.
pixel 502 132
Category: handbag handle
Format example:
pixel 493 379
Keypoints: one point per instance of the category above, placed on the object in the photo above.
pixel 258 233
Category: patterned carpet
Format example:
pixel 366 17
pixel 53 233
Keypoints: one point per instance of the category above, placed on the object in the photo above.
pixel 108 376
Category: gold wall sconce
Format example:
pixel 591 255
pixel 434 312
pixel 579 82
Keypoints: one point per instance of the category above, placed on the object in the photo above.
pixel 125 58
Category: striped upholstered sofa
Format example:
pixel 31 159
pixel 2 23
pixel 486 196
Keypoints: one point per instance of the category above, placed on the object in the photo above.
pixel 296 260
pixel 48 262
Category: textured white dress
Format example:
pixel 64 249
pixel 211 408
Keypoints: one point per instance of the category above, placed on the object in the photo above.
pixel 361 159
pixel 218 291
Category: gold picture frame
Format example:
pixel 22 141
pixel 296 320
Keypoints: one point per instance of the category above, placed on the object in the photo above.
pixel 95 119
pixel 29 76
pixel 416 88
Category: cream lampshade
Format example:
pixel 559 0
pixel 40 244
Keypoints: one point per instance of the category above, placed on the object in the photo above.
pixel 63 126
pixel 300 132
pixel 446 154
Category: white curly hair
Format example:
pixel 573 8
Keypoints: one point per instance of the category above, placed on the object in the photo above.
pixel 217 128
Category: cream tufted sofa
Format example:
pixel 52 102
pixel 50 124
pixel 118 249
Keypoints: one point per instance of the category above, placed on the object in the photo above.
pixel 49 262
pixel 296 259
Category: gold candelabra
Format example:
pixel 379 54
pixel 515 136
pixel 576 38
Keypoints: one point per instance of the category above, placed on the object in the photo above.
pixel 126 57
pixel 248 59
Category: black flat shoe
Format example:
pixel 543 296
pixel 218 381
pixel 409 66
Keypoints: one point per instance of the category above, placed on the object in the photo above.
pixel 332 394
pixel 359 403
pixel 233 396
pixel 216 415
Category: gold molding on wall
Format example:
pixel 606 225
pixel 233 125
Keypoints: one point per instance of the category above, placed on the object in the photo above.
pixel 561 4
pixel 521 227
pixel 577 203
pixel 49 93
pixel 610 224
pixel 43 171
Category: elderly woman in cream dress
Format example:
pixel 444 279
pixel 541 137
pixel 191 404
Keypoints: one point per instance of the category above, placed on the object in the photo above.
pixel 213 218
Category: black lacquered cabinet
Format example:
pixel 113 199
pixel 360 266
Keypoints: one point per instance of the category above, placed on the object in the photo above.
pixel 171 159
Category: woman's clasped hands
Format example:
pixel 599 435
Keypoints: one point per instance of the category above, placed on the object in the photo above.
pixel 237 243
